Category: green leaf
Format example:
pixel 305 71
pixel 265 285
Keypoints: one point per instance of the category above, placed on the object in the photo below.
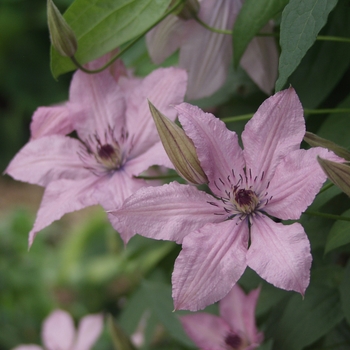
pixel 102 25
pixel 326 61
pixel 337 126
pixel 345 292
pixel 305 321
pixel 339 234
pixel 159 298
pixel 252 17
pixel 154 298
pixel 301 22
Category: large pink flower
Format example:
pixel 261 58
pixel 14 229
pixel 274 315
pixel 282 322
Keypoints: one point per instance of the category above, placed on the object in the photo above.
pixel 117 140
pixel 58 332
pixel 223 233
pixel 235 329
pixel 206 55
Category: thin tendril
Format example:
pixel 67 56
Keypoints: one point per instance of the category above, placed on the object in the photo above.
pixel 327 111
pixel 230 32
pixel 237 118
pixel 244 117
pixel 326 187
pixel 160 177
pixel 327 216
pixel 131 43
pixel 212 29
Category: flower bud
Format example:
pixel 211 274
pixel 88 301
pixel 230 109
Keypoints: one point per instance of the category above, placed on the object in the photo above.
pixel 188 10
pixel 179 148
pixel 61 34
pixel 338 173
pixel 315 141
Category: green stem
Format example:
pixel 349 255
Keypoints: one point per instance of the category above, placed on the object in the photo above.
pixel 327 111
pixel 230 32
pixel 212 29
pixel 333 38
pixel 327 216
pixel 244 117
pixel 326 187
pixel 127 47
pixel 237 118
pixel 160 177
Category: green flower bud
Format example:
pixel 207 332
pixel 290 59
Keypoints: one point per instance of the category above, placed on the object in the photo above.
pixel 338 173
pixel 315 141
pixel 61 34
pixel 179 148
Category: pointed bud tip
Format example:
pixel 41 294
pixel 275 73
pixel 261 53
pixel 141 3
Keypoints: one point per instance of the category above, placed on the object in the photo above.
pixel 179 148
pixel 338 173
pixel 61 34
pixel 316 141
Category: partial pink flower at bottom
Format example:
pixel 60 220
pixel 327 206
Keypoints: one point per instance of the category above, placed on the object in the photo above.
pixel 234 329
pixel 58 332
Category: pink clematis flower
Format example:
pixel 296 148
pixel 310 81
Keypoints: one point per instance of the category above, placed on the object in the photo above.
pixel 58 332
pixel 235 329
pixel 223 233
pixel 207 55
pixel 117 140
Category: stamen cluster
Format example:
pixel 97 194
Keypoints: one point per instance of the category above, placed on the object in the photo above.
pixel 101 155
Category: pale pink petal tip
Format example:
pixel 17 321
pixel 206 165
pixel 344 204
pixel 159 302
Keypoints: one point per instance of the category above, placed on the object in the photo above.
pixel 58 331
pixel 90 328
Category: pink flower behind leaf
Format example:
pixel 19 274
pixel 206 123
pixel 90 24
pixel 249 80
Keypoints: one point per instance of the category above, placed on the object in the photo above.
pixel 223 233
pixel 58 332
pixel 234 329
pixel 117 140
pixel 207 56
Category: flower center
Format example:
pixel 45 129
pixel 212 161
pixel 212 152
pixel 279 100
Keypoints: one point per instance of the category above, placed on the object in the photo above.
pixel 245 200
pixel 109 156
pixel 105 154
pixel 233 341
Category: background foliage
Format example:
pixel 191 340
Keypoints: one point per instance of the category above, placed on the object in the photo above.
pixel 80 263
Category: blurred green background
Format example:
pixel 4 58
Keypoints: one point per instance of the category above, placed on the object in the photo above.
pixel 80 263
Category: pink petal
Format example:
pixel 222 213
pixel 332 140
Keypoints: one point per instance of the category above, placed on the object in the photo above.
pixel 58 331
pixel 98 104
pixel 205 330
pixel 47 159
pixel 155 155
pixel 260 61
pixel 206 55
pixel 280 254
pixel 112 189
pixel 165 38
pixel 50 121
pixel 217 147
pixel 116 69
pixel 61 197
pixel 276 129
pixel 210 263
pixel 238 310
pixel 28 347
pixel 90 328
pixel 169 212
pixel 163 87
pixel 297 180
